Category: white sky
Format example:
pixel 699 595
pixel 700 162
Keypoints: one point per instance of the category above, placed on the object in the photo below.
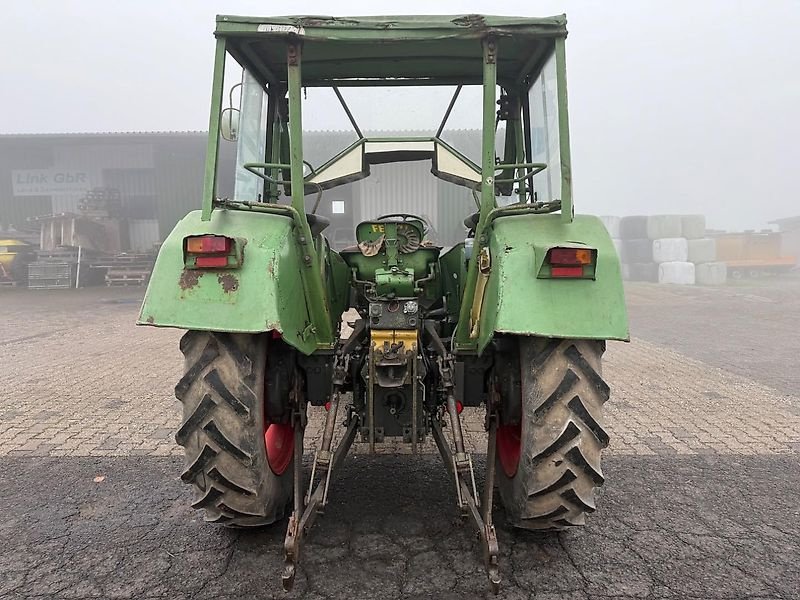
pixel 675 106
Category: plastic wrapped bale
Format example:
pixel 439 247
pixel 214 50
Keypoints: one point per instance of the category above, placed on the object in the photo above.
pixel 711 273
pixel 643 272
pixel 702 250
pixel 637 251
pixel 693 226
pixel 664 226
pixel 670 250
pixel 618 246
pixel 612 225
pixel 677 272
pixel 631 228
pixel 626 272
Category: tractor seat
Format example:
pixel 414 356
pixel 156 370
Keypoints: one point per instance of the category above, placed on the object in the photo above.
pixel 317 223
pixel 471 222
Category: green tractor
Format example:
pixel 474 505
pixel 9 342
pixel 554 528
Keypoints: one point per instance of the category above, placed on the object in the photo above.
pixel 511 315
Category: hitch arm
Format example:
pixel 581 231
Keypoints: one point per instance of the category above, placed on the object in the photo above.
pixel 481 514
pixel 301 520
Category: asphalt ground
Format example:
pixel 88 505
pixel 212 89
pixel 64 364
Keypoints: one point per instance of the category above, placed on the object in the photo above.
pixel 691 527
pixel 700 501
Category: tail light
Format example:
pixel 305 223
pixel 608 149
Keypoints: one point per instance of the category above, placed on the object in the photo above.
pixel 575 263
pixel 208 244
pixel 211 252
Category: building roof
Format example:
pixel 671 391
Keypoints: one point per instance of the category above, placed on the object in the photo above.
pixel 78 134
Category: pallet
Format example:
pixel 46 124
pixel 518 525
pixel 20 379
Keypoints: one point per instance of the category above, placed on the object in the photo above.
pixel 126 283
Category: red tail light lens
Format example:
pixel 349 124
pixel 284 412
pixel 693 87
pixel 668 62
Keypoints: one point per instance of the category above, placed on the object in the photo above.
pixel 211 261
pixel 208 244
pixel 566 271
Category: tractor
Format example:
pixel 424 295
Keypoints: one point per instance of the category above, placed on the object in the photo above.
pixel 510 314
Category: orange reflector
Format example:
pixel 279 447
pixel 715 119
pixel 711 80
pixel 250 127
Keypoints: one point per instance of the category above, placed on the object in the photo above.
pixel 208 244
pixel 570 256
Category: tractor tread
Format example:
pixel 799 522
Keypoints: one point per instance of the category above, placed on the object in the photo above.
pixel 194 421
pixel 221 440
pixel 214 381
pixel 562 432
pixel 222 432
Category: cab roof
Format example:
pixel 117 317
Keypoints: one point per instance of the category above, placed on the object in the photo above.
pixel 391 49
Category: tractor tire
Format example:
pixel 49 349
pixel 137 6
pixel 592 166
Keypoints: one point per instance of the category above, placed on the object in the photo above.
pixel 558 442
pixel 223 396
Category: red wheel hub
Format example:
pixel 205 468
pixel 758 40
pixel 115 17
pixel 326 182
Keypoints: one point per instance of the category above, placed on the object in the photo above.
pixel 509 447
pixel 279 440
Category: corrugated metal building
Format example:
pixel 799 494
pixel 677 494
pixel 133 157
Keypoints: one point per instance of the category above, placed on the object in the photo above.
pixel 160 177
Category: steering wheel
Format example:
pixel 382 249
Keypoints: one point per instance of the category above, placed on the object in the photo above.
pixel 426 227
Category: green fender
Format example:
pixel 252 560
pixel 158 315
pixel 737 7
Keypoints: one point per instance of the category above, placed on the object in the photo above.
pixel 265 293
pixel 518 301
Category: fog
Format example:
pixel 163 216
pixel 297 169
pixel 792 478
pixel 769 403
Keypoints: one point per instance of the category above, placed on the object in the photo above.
pixel 439 402
pixel 676 107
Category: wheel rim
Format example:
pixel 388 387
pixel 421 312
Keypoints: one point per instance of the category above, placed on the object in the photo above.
pixel 279 440
pixel 509 448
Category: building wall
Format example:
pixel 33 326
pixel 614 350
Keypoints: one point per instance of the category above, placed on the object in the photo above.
pixel 160 179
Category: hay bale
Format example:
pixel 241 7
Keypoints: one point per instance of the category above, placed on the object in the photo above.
pixel 664 226
pixel 670 250
pixel 702 250
pixel 693 226
pixel 637 251
pixel 617 247
pixel 677 272
pixel 631 228
pixel 643 272
pixel 711 273
pixel 612 225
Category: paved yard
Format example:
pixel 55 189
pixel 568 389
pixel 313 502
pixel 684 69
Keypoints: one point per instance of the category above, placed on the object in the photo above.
pixel 702 469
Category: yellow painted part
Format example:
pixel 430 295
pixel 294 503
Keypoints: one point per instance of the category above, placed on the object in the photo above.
pixel 407 336
pixel 6 258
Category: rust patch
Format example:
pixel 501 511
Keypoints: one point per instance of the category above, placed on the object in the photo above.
pixel 471 21
pixel 271 268
pixel 229 282
pixel 151 320
pixel 189 278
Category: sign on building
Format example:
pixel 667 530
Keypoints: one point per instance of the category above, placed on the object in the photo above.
pixel 49 182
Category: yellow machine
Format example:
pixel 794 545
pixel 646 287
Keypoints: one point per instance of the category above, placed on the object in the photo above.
pixel 12 253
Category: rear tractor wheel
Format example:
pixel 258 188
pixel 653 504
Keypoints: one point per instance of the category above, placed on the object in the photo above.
pixel 548 462
pixel 238 451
